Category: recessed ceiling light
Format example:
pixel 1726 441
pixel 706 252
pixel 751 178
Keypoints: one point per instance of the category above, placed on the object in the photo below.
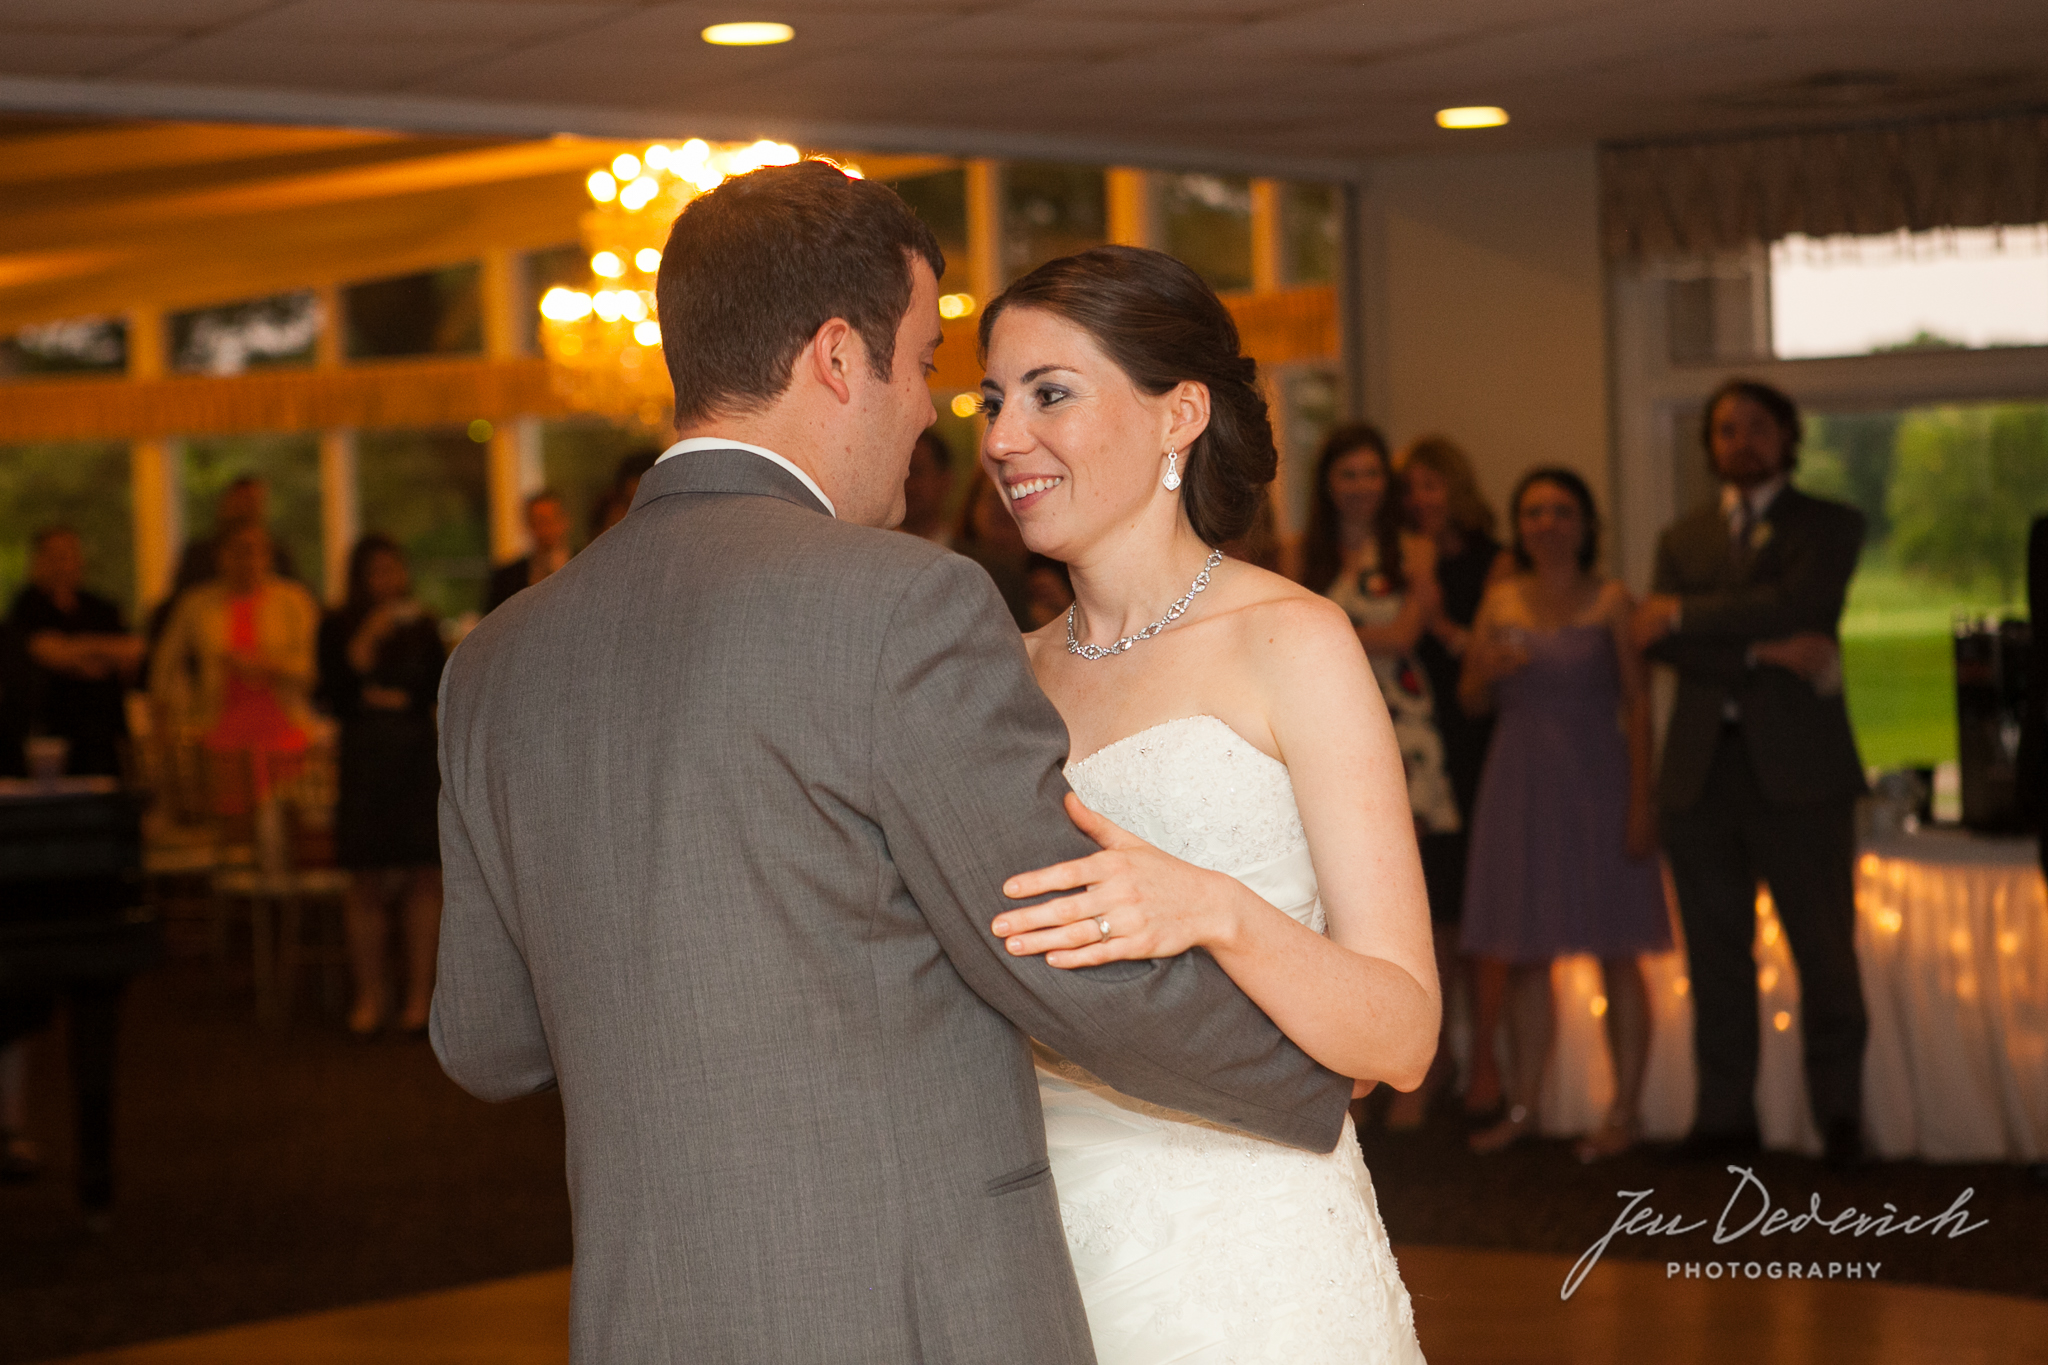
pixel 1472 116
pixel 748 34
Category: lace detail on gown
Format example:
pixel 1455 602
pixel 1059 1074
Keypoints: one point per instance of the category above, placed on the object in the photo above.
pixel 1194 1242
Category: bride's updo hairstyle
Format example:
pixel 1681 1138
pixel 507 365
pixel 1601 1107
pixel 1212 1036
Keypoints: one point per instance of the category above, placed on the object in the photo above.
pixel 1163 326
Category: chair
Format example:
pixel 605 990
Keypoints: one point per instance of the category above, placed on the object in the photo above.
pixel 290 827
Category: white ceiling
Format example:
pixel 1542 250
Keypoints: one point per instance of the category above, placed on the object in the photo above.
pixel 1248 83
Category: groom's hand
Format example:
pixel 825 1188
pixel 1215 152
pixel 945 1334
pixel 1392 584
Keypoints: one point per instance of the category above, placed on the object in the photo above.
pixel 1133 901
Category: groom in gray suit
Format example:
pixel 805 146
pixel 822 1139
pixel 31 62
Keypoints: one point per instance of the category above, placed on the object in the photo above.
pixel 727 805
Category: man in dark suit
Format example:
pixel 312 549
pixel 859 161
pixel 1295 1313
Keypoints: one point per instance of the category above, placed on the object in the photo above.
pixel 1760 773
pixel 547 525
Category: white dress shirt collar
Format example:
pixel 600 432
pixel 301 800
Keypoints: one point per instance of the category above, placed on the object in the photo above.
pixel 696 443
pixel 1760 499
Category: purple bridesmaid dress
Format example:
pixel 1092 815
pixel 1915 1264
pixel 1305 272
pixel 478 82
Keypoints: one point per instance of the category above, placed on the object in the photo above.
pixel 1550 872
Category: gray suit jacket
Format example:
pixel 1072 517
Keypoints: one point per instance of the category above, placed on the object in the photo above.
pixel 1795 579
pixel 726 809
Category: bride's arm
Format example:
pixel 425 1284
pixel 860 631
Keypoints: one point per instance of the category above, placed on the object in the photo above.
pixel 1364 1001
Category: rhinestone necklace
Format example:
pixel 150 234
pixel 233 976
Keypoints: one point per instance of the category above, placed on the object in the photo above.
pixel 1173 613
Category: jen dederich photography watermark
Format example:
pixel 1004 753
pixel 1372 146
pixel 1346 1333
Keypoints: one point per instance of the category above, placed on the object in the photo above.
pixel 1750 1211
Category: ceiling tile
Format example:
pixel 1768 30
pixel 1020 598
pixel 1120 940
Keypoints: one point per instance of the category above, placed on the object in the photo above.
pixel 69 54
pixel 156 16
pixel 279 64
pixel 477 23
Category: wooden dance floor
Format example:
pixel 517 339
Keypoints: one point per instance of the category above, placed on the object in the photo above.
pixel 1471 1307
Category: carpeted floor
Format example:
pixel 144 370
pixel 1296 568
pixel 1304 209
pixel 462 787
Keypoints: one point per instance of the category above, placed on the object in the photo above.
pixel 267 1173
pixel 263 1173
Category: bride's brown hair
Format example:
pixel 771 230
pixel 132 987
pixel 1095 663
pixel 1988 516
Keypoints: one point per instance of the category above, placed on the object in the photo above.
pixel 1163 326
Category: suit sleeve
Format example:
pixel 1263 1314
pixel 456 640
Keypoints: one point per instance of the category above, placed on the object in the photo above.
pixel 1695 656
pixel 1808 595
pixel 968 786
pixel 486 1022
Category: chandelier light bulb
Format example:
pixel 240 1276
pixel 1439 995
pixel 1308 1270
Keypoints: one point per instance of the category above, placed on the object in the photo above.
pixel 1472 116
pixel 755 34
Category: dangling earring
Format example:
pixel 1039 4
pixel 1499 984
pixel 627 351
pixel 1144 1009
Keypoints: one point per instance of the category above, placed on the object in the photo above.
pixel 1172 479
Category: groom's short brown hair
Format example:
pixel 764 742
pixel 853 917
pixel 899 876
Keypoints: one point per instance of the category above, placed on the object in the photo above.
pixel 753 269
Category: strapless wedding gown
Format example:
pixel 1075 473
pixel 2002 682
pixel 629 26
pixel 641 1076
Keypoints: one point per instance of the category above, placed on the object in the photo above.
pixel 1194 1242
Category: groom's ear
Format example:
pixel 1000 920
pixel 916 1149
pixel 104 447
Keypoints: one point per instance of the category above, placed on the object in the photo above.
pixel 834 349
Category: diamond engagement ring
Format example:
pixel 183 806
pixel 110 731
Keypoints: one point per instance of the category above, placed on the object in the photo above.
pixel 1102 927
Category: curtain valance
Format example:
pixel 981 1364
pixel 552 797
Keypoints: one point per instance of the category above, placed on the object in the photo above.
pixel 1703 198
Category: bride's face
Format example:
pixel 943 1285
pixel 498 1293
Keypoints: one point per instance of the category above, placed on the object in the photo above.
pixel 1074 445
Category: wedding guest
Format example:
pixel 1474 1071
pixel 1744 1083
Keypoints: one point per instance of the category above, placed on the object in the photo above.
pixel 19 1159
pixel 1760 773
pixel 380 667
pixel 17 695
pixel 1564 831
pixel 82 655
pixel 1048 589
pixel 928 488
pixel 2033 757
pixel 987 534
pixel 547 526
pixel 247 499
pixel 235 667
pixel 1445 507
pixel 1356 553
pixel 617 500
pixel 1261 545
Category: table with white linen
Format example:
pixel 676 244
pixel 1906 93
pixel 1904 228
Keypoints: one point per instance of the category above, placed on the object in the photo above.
pixel 1952 939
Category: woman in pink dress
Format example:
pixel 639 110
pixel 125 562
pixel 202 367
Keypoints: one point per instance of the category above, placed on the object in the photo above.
pixel 235 668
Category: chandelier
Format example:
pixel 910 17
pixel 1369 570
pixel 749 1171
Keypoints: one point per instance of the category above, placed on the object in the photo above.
pixel 602 342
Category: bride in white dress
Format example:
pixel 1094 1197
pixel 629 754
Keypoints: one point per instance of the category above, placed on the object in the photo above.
pixel 1239 769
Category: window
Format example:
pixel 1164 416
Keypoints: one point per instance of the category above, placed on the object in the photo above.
pixel 581 458
pixel 1949 493
pixel 425 489
pixel 567 265
pixel 1310 404
pixel 1311 227
pixel 280 330
pixel 1050 211
pixel 1206 221
pixel 71 346
pixel 288 465
pixel 436 312
pixel 83 485
pixel 940 200
pixel 1952 288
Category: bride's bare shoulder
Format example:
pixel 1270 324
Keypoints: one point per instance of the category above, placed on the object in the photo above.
pixel 1271 613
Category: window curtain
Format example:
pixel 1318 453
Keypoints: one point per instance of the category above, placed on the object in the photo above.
pixel 1705 198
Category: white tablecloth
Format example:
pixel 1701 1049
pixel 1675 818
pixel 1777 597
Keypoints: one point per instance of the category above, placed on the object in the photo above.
pixel 1952 937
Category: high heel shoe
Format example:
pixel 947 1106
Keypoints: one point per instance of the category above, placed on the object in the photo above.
pixel 1518 1124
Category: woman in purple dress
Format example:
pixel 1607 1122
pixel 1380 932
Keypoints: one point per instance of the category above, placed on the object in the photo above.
pixel 1564 833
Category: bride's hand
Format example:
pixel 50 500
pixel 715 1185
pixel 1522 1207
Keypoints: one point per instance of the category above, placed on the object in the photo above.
pixel 1154 904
